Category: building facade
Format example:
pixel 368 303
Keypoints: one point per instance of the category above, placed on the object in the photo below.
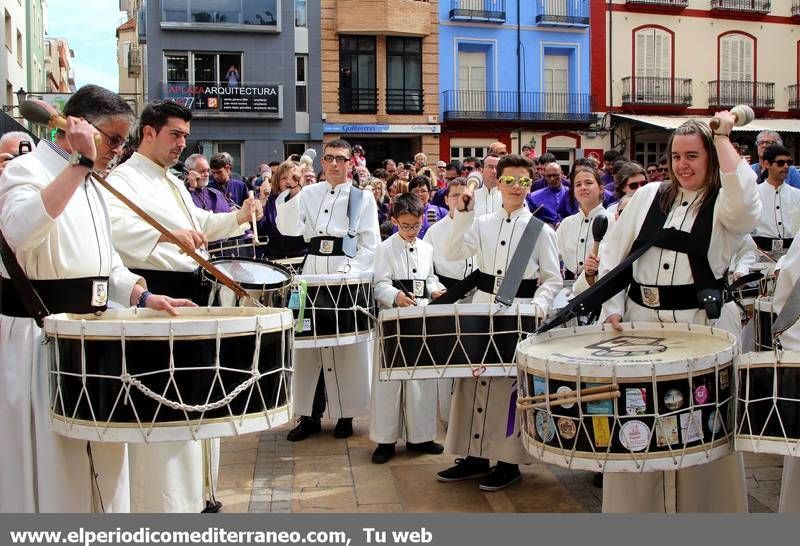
pixel 129 64
pixel 14 58
pixel 380 76
pixel 249 71
pixel 658 62
pixel 516 72
pixel 60 75
pixel 36 14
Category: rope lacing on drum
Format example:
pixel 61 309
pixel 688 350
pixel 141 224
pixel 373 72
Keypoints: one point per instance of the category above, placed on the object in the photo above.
pixel 144 389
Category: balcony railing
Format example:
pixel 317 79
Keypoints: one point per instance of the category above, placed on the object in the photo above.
pixel 511 105
pixel 659 3
pixel 404 101
pixel 358 100
pixel 657 91
pixel 491 11
pixel 795 8
pixel 134 61
pixel 794 98
pixel 727 93
pixel 562 12
pixel 745 6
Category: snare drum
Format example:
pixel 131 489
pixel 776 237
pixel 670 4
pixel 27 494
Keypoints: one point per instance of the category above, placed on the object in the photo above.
pixel 266 282
pixel 138 375
pixel 332 310
pixel 763 317
pixel 768 403
pixel 456 340
pixel 654 397
pixel 238 247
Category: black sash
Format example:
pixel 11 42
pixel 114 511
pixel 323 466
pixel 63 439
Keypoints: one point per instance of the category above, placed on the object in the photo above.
pixel 36 309
pixel 56 296
pixel 407 286
pixel 765 243
pixel 485 283
pixel 173 284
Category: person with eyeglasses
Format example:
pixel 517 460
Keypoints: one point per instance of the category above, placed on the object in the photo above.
pixel 764 140
pixel 197 183
pixel 334 376
pixel 629 179
pixel 484 423
pixel 404 276
pixel 544 203
pixel 421 187
pixel 652 173
pixel 694 223
pixel 780 214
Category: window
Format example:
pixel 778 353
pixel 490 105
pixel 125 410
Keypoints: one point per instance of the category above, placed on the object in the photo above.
pixel 301 83
pixel 300 13
pixel 649 152
pixel 9 33
pixel 403 75
pixel 202 67
pixel 357 90
pixel 291 148
pixel 126 48
pixel 736 58
pixel 19 48
pixel 230 12
pixel 653 53
pixel 463 152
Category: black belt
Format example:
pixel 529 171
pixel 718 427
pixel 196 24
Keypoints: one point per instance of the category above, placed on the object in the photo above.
pixel 334 243
pixel 59 296
pixel 765 243
pixel 171 283
pixel 669 298
pixel 569 275
pixel 447 281
pixel 527 288
pixel 407 286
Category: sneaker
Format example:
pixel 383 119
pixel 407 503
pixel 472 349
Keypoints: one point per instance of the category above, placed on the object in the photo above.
pixel 383 453
pixel 597 479
pixel 465 469
pixel 502 475
pixel 430 447
pixel 343 428
pixel 306 426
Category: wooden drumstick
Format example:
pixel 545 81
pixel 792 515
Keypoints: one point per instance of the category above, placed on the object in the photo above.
pixel 254 223
pixel 571 394
pixel 573 400
pixel 742 115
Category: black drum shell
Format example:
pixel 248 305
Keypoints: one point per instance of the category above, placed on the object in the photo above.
pixel 329 310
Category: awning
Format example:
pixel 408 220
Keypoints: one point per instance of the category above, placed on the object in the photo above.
pixel 672 122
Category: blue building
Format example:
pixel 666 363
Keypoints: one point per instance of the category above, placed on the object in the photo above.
pixel 514 74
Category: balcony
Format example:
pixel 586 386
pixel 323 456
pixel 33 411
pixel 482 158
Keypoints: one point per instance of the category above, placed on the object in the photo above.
pixel 795 8
pixel 663 93
pixel 220 100
pixel 561 13
pixel 359 100
pixel 134 61
pixel 659 5
pixel 794 99
pixel 387 17
pixel 728 93
pixel 486 11
pixel 514 106
pixel 757 7
pixel 404 101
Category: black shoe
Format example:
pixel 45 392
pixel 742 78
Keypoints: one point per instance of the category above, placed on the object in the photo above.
pixel 597 479
pixel 306 426
pixel 343 428
pixel 502 475
pixel 383 453
pixel 212 507
pixel 430 447
pixel 465 469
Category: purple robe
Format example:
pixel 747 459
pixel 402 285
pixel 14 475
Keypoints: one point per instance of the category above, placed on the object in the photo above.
pixel 210 199
pixel 234 190
pixel 549 199
pixel 279 245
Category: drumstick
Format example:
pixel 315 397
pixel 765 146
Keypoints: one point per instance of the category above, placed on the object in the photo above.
pixel 254 224
pixel 565 401
pixel 571 393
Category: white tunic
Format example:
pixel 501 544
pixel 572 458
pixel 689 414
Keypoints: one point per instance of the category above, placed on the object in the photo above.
pixel 780 211
pixel 43 471
pixel 165 476
pixel 746 255
pixel 487 201
pixel 717 486
pixel 402 408
pixel 321 210
pixel 483 418
pixel 575 238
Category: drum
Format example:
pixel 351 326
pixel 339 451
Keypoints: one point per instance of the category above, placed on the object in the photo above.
pixel 332 310
pixel 138 375
pixel 763 317
pixel 294 265
pixel 237 247
pixel 766 286
pixel 456 340
pixel 768 403
pixel 656 396
pixel 266 282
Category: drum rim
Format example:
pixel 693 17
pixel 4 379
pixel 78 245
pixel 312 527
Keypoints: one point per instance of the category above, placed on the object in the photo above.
pixel 464 309
pixel 253 286
pixel 320 279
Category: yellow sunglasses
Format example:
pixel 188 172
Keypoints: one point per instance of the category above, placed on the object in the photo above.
pixel 523 181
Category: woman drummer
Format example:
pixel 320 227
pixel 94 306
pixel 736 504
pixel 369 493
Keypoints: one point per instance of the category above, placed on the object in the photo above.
pixel 710 186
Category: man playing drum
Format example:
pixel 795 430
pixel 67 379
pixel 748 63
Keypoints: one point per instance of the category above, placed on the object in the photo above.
pixel 710 197
pixel 483 419
pixel 342 239
pixel 54 219
pixel 166 477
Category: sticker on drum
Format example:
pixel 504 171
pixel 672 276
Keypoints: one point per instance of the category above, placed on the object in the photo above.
pixel 636 401
pixel 667 431
pixel 634 435
pixel 294 299
pixel 539 385
pixel 602 435
pixel 567 428
pixel 715 422
pixel 701 395
pixel 692 426
pixel 599 406
pixel 673 399
pixel 724 379
pixel 545 427
pixel 563 389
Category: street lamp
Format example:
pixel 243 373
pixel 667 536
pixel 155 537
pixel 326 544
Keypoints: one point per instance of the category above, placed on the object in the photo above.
pixel 21 96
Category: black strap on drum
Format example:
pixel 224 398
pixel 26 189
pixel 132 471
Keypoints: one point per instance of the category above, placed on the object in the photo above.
pixel 173 283
pixel 407 287
pixel 56 296
pixel 765 243
pixel 25 293
pixel 350 241
pixel 316 244
pixel 519 262
pixel 458 290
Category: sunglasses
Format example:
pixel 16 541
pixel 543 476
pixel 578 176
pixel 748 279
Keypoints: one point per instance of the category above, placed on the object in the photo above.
pixel 652 171
pixel 635 185
pixel 113 141
pixel 766 143
pixel 782 162
pixel 523 181
pixel 662 169
pixel 328 158
pixel 469 169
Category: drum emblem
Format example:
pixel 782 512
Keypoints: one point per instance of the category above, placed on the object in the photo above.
pixel 650 296
pixel 545 427
pixel 634 435
pixel 627 346
pixel 673 399
pixel 567 428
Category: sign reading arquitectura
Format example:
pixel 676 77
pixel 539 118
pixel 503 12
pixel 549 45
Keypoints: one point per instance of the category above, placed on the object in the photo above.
pixel 224 100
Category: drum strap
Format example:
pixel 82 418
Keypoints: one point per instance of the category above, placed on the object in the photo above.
pixel 350 241
pixel 519 262
pixel 771 244
pixel 25 291
pixel 417 287
pixel 788 315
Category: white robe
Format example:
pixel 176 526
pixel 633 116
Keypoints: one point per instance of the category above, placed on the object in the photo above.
pixel 780 211
pixel 402 409
pixel 165 476
pixel 487 201
pixel 484 421
pixel 717 486
pixel 575 238
pixel 321 210
pixel 41 470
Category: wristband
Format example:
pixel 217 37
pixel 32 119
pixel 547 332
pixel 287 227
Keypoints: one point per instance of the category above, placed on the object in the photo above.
pixel 143 298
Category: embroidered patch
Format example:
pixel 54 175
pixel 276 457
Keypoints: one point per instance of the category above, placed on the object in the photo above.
pixel 326 246
pixel 650 296
pixel 419 288
pixel 777 244
pixel 99 293
pixel 497 282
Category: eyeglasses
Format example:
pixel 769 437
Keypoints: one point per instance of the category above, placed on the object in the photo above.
pixel 523 181
pixel 782 162
pixel 328 158
pixel 652 171
pixel 766 143
pixel 469 168
pixel 420 189
pixel 113 141
pixel 414 227
pixel 662 169
pixel 635 185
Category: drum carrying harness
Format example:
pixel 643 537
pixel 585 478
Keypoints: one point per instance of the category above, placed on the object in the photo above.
pixel 347 245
